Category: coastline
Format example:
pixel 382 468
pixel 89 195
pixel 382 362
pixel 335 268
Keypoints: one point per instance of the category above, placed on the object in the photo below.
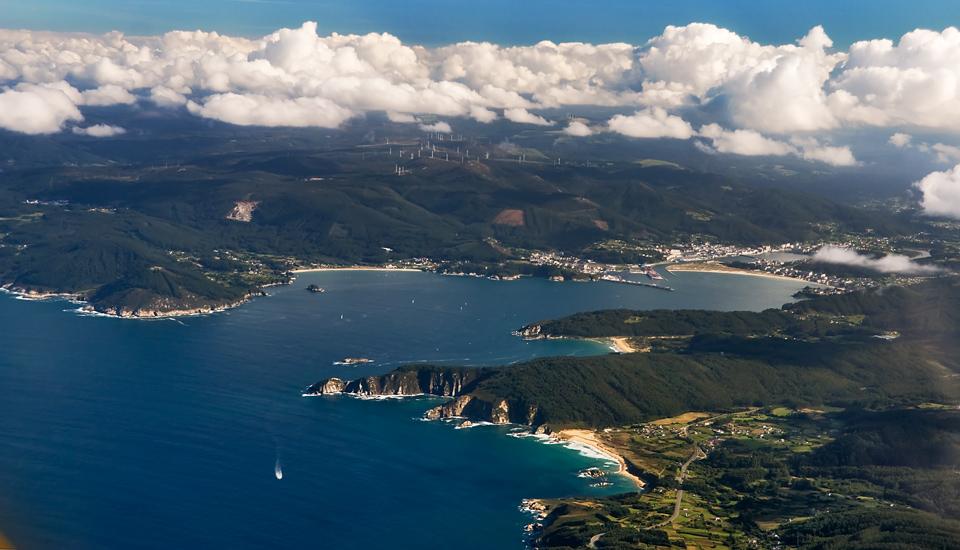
pixel 700 267
pixel 353 268
pixel 621 344
pixel 591 440
pixel 85 308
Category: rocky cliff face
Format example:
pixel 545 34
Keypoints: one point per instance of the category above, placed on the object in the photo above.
pixel 453 382
pixel 530 332
pixel 442 382
pixel 474 408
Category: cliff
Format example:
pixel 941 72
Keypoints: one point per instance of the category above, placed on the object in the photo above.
pixel 457 383
pixel 405 381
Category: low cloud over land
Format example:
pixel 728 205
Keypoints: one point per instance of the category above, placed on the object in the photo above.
pixel 891 263
pixel 748 98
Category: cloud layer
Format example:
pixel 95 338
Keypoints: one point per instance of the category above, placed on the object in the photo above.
pixel 756 98
pixel 891 263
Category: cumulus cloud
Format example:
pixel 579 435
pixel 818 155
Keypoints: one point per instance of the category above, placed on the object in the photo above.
pixel 481 114
pixel 109 94
pixel 523 116
pixel 577 128
pixel 751 143
pixel 770 93
pixel 941 193
pixel 259 110
pixel 99 131
pixel 744 142
pixel 811 149
pixel 33 109
pixel 900 140
pixel 166 97
pixel 653 122
pixel 401 118
pixel 442 127
pixel 891 263
pixel 945 153
pixel 768 88
pixel 915 81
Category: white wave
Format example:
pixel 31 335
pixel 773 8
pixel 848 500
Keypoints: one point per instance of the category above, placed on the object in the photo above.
pixel 465 426
pixel 591 452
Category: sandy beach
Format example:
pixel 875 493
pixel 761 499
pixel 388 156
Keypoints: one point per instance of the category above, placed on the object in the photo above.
pixel 589 438
pixel 352 268
pixel 701 267
pixel 621 344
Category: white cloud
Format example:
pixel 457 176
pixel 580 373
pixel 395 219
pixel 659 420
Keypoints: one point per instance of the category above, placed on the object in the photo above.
pixel 945 153
pixel 33 109
pixel 777 91
pixel 891 263
pixel 900 140
pixel 767 88
pixel 108 94
pixel 941 193
pixel 751 143
pixel 401 118
pixel 811 149
pixel 578 129
pixel 523 116
pixel 440 126
pixel 915 81
pixel 482 115
pixel 258 110
pixel 99 131
pixel 653 122
pixel 165 97
pixel 744 142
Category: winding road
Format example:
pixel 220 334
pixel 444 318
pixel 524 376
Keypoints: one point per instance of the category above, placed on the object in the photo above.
pixel 698 454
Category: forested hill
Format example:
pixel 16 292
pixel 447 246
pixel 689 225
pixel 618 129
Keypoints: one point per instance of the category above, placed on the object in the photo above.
pixel 236 196
pixel 819 359
pixel 920 311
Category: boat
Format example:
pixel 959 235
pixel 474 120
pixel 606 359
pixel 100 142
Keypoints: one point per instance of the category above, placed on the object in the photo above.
pixel 652 273
pixel 316 289
pixel 277 471
pixel 353 361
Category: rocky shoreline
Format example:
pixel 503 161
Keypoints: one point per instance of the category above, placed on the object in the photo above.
pixel 454 383
pixel 153 312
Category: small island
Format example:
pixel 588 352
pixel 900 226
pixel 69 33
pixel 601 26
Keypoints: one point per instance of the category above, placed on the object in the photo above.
pixel 353 361
pixel 316 289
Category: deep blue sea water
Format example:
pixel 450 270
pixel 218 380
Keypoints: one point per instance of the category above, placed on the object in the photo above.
pixel 433 22
pixel 164 434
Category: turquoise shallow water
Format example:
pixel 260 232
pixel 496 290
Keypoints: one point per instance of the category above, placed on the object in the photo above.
pixel 161 434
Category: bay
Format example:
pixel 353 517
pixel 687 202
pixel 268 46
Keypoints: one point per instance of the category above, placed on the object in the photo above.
pixel 159 434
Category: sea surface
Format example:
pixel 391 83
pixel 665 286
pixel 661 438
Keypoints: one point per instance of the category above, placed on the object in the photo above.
pixel 166 434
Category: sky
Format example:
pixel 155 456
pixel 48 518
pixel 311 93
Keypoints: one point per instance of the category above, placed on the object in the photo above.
pixel 766 78
pixel 434 22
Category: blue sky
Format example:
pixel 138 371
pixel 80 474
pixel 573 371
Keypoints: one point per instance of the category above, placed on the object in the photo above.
pixel 434 22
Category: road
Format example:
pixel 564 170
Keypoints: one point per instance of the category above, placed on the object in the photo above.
pixel 594 539
pixel 697 455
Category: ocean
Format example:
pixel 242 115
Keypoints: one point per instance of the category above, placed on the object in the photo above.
pixel 165 434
